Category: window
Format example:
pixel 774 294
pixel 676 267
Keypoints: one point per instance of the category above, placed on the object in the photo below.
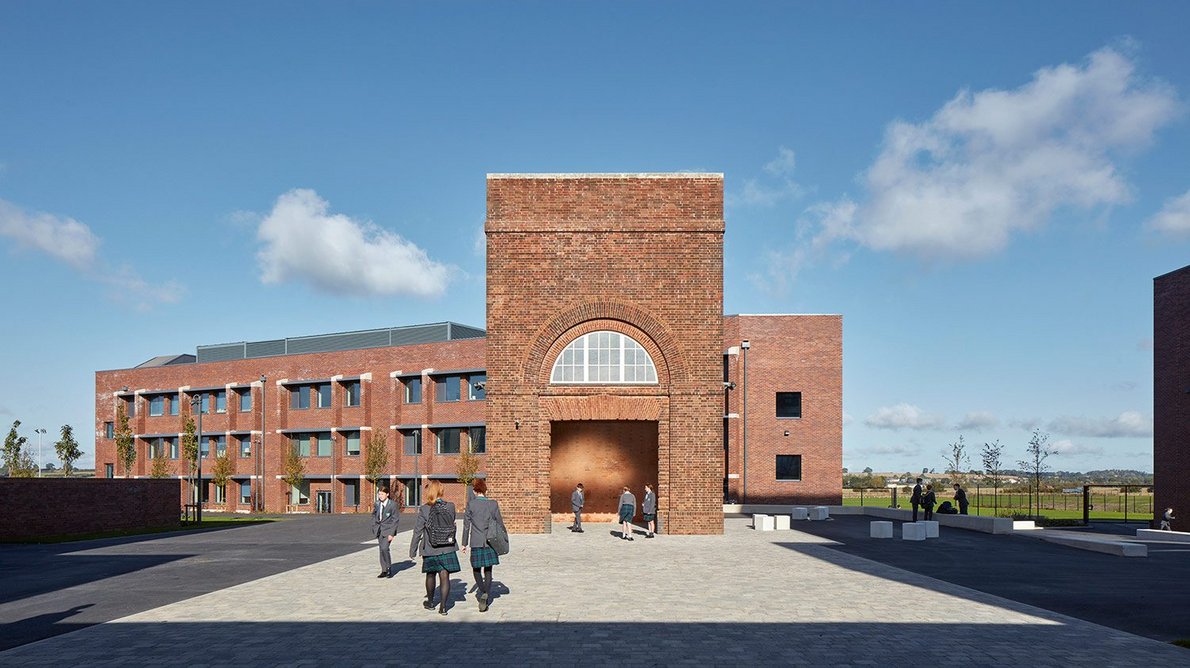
pixel 604 357
pixel 245 492
pixel 174 401
pixel 109 470
pixel 246 401
pixel 476 388
pixel 789 404
pixel 351 493
pixel 789 467
pixel 479 440
pixel 109 429
pixel 448 441
pixel 157 406
pixel 447 388
pixel 220 493
pixel 156 448
pixel 206 403
pixel 173 448
pixel 413 390
pixel 323 395
pixel 300 444
pixel 130 407
pixel 352 394
pixel 204 446
pixel 412 493
pixel 220 446
pixel 300 495
pixel 299 397
pixel 221 401
pixel 324 444
pixel 246 446
pixel 412 441
pixel 352 443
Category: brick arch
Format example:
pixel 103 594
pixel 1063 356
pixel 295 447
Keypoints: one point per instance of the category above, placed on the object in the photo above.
pixel 659 337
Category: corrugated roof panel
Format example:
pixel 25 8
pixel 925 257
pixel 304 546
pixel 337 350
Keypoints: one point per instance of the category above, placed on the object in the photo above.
pixel 221 353
pixel 264 348
pixel 407 336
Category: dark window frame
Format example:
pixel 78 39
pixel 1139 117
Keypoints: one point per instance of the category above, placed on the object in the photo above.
pixel 788 407
pixel 790 461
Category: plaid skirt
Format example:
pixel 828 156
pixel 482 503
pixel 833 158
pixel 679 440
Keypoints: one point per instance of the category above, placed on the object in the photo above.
pixel 483 557
pixel 650 517
pixel 626 513
pixel 448 562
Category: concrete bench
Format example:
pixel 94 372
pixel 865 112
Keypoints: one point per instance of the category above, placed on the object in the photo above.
pixel 1024 525
pixel 782 522
pixel 762 522
pixel 880 529
pixel 913 531
pixel 1166 536
pixel 1118 548
pixel 931 527
pixel 820 513
pixel 800 513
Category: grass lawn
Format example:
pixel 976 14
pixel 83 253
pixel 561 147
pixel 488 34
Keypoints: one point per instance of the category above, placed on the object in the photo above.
pixel 1019 506
pixel 208 522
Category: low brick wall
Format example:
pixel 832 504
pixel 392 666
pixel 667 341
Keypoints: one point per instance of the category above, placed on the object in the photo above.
pixel 36 507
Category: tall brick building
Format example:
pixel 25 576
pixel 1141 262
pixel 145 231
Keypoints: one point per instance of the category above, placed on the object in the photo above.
pixel 606 360
pixel 1171 394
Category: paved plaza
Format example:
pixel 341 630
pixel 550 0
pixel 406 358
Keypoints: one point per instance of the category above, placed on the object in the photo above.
pixel 746 597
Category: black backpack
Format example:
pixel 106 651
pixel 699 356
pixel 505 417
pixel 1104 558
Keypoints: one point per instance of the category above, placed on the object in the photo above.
pixel 441 527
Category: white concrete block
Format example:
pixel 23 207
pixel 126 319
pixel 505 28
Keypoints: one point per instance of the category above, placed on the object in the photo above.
pixel 1023 525
pixel 820 513
pixel 880 529
pixel 800 513
pixel 913 531
pixel 782 522
pixel 931 527
pixel 762 522
pixel 1166 536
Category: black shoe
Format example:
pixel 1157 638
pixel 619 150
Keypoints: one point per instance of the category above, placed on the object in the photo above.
pixel 442 611
pixel 631 538
pixel 382 575
pixel 483 596
pixel 427 604
pixel 483 605
pixel 578 531
pixel 649 536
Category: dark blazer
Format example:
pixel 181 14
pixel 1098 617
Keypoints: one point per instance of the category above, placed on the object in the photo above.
pixel 421 539
pixel 649 506
pixel 916 498
pixel 928 500
pixel 385 519
pixel 576 500
pixel 628 499
pixel 481 515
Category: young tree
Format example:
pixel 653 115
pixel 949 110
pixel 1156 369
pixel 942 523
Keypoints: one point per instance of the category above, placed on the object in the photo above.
pixel 190 452
pixel 957 459
pixel 1034 464
pixel 125 443
pixel 68 450
pixel 376 459
pixel 295 469
pixel 223 470
pixel 466 468
pixel 160 464
pixel 16 461
pixel 993 466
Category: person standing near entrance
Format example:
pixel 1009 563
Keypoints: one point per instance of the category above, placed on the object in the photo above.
pixel 384 527
pixel 649 509
pixel 960 497
pixel 915 500
pixel 1167 519
pixel 627 512
pixel 482 515
pixel 577 499
pixel 434 538
pixel 927 502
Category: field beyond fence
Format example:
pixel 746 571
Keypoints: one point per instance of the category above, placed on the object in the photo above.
pixel 1106 504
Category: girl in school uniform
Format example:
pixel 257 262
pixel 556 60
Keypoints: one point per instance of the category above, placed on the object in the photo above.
pixel 438 562
pixel 627 512
pixel 648 508
pixel 482 515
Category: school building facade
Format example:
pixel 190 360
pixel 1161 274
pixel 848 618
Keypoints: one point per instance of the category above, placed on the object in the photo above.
pixel 606 360
pixel 1171 395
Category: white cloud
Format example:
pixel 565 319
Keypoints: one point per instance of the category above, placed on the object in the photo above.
pixel 903 416
pixel 778 185
pixel 480 244
pixel 902 449
pixel 995 163
pixel 1129 423
pixel 336 254
pixel 847 419
pixel 1174 217
pixel 60 237
pixel 976 421
pixel 1028 424
pixel 1068 448
pixel 128 287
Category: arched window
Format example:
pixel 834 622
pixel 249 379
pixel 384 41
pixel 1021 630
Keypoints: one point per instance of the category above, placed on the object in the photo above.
pixel 604 357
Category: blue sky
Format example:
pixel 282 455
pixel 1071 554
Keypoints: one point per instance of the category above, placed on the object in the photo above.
pixel 984 191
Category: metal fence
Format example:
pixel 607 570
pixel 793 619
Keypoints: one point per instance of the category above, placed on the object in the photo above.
pixel 1115 502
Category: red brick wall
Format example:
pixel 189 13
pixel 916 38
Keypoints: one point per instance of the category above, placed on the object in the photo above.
pixel 789 353
pixel 381 406
pixel 1171 402
pixel 644 254
pixel 34 507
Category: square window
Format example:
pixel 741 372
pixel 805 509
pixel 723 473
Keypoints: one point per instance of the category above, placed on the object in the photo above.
pixel 477 388
pixel 353 394
pixel 447 389
pixel 324 445
pixel 789 404
pixel 479 440
pixel 448 441
pixel 300 444
pixel 352 443
pixel 413 391
pixel 789 467
pixel 221 401
pixel 245 401
pixel 299 397
pixel 300 496
pixel 412 441
pixel 157 406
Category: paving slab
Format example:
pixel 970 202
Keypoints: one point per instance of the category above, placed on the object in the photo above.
pixel 593 599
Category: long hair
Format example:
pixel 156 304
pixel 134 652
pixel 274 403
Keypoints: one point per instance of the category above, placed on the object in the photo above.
pixel 433 491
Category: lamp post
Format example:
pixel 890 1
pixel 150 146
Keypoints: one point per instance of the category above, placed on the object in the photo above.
pixel 196 400
pixel 260 455
pixel 40 463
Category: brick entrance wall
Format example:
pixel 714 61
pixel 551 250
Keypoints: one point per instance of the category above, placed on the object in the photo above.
pixel 638 254
pixel 1171 396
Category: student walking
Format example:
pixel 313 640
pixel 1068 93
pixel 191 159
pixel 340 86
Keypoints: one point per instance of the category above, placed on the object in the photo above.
pixel 960 497
pixel 434 539
pixel 577 499
pixel 482 515
pixel 384 528
pixel 627 512
pixel 648 508
pixel 915 500
pixel 928 501
pixel 1166 520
